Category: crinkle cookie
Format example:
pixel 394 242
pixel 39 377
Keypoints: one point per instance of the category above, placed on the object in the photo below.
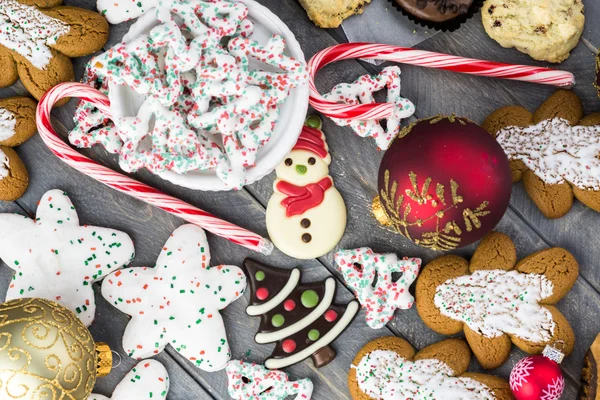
pixel 497 301
pixel 17 124
pixel 37 38
pixel 554 151
pixel 388 368
pixel 547 30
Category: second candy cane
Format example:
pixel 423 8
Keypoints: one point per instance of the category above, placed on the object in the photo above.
pixel 421 58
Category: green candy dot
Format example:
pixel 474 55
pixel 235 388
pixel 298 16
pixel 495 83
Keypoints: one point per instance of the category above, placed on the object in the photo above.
pixel 313 121
pixel 277 320
pixel 313 334
pixel 259 275
pixel 309 298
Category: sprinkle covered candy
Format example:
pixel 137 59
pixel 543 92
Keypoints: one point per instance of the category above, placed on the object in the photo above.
pixel 203 107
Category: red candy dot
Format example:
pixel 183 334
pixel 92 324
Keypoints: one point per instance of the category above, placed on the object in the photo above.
pixel 330 316
pixel 289 305
pixel 288 345
pixel 262 293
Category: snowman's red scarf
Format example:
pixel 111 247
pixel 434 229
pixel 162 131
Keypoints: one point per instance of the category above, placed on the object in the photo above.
pixel 302 198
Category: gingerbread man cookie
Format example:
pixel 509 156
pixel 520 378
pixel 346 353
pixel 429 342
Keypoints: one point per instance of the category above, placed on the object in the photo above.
pixel 37 37
pixel 306 216
pixel 178 301
pixel 56 258
pixel 554 151
pixel 388 368
pixel 251 381
pixel 148 380
pixel 496 300
pixel 17 124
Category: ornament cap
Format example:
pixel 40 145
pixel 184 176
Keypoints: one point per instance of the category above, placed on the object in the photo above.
pixel 105 359
pixel 379 212
pixel 554 353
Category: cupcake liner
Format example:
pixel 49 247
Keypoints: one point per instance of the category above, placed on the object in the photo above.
pixel 446 26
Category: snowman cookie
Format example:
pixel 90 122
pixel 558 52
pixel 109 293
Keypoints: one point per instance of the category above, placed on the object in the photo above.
pixel 306 216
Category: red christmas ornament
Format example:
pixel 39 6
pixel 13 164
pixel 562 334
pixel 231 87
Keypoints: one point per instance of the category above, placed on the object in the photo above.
pixel 444 183
pixel 538 377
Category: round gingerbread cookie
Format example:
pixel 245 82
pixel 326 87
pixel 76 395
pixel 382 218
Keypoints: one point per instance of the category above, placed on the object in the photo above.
pixel 388 368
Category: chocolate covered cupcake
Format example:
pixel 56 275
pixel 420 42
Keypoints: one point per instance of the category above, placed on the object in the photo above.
pixel 445 15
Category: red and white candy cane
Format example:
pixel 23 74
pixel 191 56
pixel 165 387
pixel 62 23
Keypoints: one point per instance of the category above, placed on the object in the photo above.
pixel 421 58
pixel 125 184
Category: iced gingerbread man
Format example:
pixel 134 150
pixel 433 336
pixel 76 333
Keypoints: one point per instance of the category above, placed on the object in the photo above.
pixel 306 216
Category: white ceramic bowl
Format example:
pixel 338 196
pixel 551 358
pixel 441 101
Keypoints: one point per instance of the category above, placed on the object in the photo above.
pixel 292 111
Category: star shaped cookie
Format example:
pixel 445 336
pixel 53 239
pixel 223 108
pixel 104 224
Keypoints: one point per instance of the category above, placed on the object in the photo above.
pixel 57 259
pixel 178 301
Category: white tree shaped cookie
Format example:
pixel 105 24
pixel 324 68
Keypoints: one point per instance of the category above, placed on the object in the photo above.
pixel 178 301
pixel 57 259
pixel 361 92
pixel 362 267
pixel 147 380
pixel 251 381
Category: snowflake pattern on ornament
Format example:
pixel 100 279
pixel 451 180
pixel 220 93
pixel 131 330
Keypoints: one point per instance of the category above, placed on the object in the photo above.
pixel 520 373
pixel 361 92
pixel 554 390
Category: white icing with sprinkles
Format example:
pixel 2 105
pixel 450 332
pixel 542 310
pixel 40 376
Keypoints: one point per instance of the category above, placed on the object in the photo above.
pixel 4 165
pixel 8 123
pixel 29 32
pixel 211 108
pixel 556 151
pixel 385 375
pixel 496 301
pixel 148 380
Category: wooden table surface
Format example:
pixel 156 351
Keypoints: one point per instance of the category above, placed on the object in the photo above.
pixel 354 169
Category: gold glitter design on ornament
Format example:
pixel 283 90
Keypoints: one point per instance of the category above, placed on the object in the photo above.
pixel 432 120
pixel 447 237
pixel 45 352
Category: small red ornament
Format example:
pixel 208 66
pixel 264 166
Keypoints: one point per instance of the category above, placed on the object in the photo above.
pixel 538 377
pixel 444 183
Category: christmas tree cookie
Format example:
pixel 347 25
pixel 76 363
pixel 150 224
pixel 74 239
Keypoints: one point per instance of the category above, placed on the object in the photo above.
pixel 388 368
pixel 251 381
pixel 56 258
pixel 496 300
pixel 178 301
pixel 300 319
pixel 148 380
pixel 370 276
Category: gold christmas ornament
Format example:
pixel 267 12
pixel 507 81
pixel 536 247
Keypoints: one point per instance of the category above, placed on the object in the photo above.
pixel 47 353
